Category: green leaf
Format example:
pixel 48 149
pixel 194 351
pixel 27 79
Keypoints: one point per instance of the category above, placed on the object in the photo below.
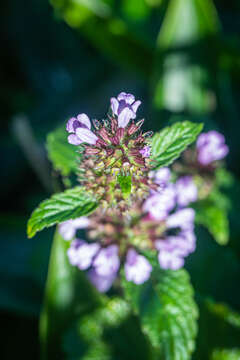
pixel 67 205
pixel 215 220
pixel 168 144
pixel 226 354
pixel 182 77
pixel 125 183
pixel 167 312
pixel 63 155
pixel 68 296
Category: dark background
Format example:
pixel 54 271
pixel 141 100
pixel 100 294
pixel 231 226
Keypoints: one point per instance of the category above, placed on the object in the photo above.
pixel 50 70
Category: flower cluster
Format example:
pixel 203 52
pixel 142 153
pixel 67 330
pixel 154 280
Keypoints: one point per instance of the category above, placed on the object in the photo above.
pixel 111 147
pixel 159 219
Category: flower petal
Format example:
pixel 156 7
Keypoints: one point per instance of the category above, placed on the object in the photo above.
pixel 128 98
pixel 125 116
pixel 86 136
pixel 114 105
pixel 84 119
pixel 69 126
pixel 74 139
pixel 136 105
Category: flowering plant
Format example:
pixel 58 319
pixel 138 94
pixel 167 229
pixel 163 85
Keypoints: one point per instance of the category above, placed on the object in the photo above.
pixel 138 215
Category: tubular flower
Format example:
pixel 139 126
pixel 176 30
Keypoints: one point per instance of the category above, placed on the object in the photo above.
pixel 125 108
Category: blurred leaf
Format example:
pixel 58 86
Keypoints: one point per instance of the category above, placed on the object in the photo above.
pixel 224 312
pixel 110 332
pixel 226 354
pixel 63 155
pixel 68 296
pixel 125 183
pixel 218 328
pixel 168 144
pixel 199 18
pixel 182 72
pixel 67 205
pixel 215 219
pixel 167 312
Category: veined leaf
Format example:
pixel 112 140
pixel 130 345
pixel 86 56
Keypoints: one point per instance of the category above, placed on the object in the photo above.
pixel 167 312
pixel 67 205
pixel 63 155
pixel 215 220
pixel 168 144
pixel 226 354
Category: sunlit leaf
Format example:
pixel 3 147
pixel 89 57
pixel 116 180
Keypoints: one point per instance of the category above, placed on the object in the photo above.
pixel 67 205
pixel 168 144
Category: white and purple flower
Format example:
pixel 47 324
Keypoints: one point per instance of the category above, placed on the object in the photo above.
pixel 81 253
pixel 80 131
pixel 186 190
pixel 107 261
pixel 125 107
pixel 211 147
pixel 137 267
pixel 68 229
pixel 158 205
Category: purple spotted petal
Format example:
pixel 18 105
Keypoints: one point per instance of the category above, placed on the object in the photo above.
pixel 69 126
pixel 84 119
pixel 128 98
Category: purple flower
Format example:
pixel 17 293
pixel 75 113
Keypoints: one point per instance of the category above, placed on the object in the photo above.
pixel 173 249
pixel 68 229
pixel 102 283
pixel 186 190
pixel 170 259
pixel 211 147
pixel 145 151
pixel 183 219
pixel 137 268
pixel 80 129
pixel 161 177
pixel 125 107
pixel 107 261
pixel 158 205
pixel 72 252
pixel 81 253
